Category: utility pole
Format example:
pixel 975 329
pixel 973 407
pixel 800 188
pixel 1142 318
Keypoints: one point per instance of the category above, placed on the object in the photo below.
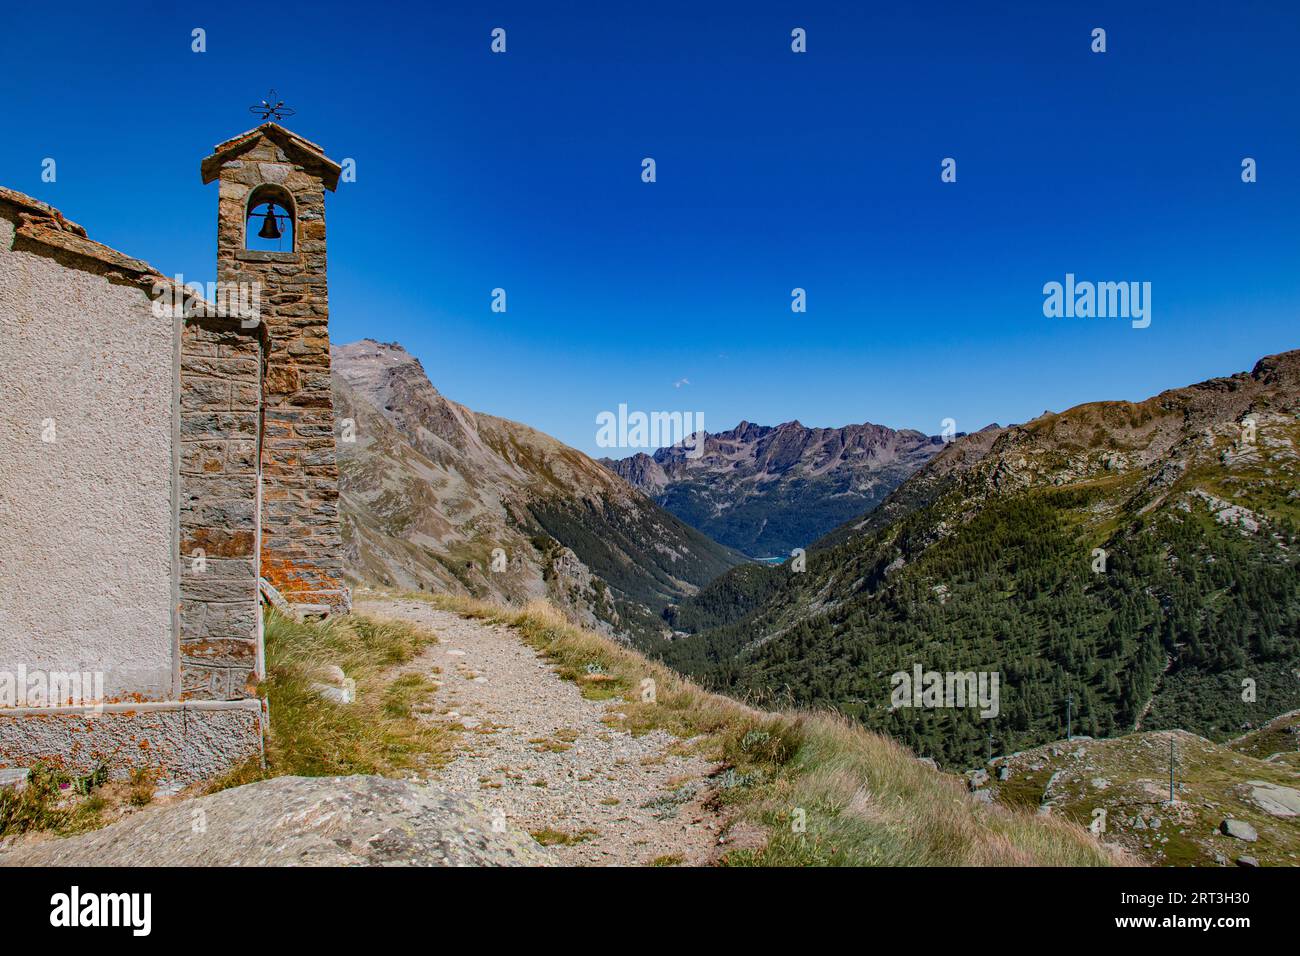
pixel 1069 716
pixel 1171 768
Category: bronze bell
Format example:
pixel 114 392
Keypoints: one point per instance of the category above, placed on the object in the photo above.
pixel 270 227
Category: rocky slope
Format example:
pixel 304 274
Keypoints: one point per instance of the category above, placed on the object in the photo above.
pixel 1141 557
pixel 435 496
pixel 298 821
pixel 766 490
pixel 1230 806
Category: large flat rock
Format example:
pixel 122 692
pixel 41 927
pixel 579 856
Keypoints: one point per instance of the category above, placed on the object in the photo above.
pixel 1276 799
pixel 298 821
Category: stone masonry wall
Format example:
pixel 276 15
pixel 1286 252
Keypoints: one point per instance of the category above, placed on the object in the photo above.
pixel 221 374
pixel 185 742
pixel 301 551
pixel 152 457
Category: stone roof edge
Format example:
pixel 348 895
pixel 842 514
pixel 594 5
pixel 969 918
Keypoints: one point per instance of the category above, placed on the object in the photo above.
pixel 223 152
pixel 25 203
pixel 268 127
pixel 41 223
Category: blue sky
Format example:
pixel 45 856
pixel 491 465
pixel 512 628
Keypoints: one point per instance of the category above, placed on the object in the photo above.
pixel 774 171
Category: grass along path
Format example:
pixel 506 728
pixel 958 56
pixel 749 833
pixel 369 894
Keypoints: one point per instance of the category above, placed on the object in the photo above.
pixel 748 787
pixel 522 711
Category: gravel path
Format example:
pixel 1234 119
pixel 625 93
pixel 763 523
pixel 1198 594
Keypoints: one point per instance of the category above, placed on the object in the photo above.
pixel 547 759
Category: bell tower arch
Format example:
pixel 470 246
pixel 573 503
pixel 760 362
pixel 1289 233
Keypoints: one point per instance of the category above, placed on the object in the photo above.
pixel 272 171
pixel 269 221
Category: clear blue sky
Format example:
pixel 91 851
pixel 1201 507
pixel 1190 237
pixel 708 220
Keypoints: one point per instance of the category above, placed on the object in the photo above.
pixel 775 170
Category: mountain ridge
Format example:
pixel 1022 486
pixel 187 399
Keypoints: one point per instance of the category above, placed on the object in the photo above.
pixel 767 489
pixel 430 490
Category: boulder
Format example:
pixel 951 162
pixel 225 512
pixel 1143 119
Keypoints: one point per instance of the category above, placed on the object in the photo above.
pixel 299 821
pixel 347 694
pixel 335 686
pixel 1239 829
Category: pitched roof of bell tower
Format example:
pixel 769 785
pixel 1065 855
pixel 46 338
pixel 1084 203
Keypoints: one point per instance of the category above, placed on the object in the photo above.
pixel 311 156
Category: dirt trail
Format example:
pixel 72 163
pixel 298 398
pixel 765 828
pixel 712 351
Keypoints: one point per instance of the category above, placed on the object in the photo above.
pixel 548 759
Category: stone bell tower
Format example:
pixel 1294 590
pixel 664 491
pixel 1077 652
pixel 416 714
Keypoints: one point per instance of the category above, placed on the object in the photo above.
pixel 271 172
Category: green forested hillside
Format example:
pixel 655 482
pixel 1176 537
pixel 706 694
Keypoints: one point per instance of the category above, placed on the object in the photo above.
pixel 726 598
pixel 1022 600
pixel 991 568
pixel 648 557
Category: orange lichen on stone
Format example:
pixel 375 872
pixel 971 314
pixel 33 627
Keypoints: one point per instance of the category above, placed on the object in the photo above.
pixel 218 543
pixel 290 578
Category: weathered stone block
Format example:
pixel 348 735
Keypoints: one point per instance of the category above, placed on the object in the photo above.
pixel 218 542
pixel 199 682
pixel 224 653
pixel 212 489
pixel 205 394
pixel 211 365
pixel 241 457
pixel 237 621
pixel 203 457
pixel 219 425
pixel 236 515
pixel 193 616
pixel 234 573
pixel 208 586
pixel 244 396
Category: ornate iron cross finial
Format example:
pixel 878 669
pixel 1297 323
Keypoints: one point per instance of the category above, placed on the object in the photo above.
pixel 271 108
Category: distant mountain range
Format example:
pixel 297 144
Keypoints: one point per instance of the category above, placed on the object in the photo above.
pixel 766 490
pixel 429 490
pixel 1136 563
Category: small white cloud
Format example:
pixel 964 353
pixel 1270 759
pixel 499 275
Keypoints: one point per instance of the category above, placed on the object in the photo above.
pixel 680 382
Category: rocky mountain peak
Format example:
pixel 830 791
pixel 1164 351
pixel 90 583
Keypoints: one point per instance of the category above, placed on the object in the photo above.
pixel 393 381
pixel 433 493
pixel 766 489
pixel 1280 369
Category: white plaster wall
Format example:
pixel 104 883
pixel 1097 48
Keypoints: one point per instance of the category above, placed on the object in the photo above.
pixel 86 523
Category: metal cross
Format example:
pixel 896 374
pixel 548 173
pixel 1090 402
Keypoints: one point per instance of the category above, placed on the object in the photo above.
pixel 272 108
